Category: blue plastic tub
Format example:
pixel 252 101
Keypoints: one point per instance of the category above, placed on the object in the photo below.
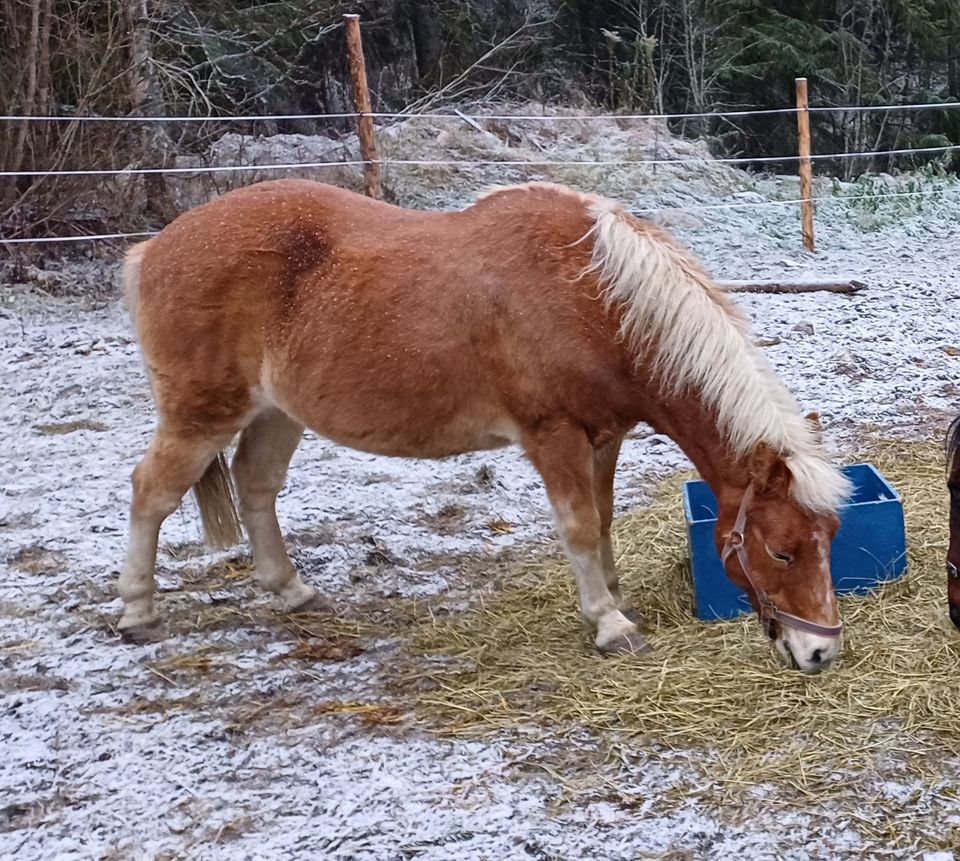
pixel 869 548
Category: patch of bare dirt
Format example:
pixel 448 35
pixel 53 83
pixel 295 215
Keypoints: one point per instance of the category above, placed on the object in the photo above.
pixel 38 560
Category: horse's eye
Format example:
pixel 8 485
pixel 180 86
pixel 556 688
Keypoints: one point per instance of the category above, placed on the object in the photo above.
pixel 780 557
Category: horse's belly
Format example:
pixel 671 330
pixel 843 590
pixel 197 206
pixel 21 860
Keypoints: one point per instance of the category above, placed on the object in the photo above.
pixel 402 423
pixel 416 438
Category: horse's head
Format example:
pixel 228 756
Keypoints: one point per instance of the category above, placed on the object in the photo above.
pixel 953 551
pixel 779 552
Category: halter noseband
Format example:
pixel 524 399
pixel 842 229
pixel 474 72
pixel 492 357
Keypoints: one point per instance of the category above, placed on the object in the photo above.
pixel 768 610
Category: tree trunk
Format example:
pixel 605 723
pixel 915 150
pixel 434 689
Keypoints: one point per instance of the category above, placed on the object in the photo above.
pixel 30 89
pixel 425 26
pixel 147 101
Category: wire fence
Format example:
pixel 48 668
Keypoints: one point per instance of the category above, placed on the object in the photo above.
pixel 470 118
pixel 693 207
pixel 428 162
pixel 407 115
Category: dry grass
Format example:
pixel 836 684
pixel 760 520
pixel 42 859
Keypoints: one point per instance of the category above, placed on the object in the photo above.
pixel 14 683
pixel 59 428
pixel 215 576
pixel 715 691
pixel 328 649
pixel 511 146
pixel 370 714
pixel 713 700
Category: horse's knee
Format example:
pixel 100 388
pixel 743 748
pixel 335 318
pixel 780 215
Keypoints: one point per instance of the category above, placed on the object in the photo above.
pixel 580 527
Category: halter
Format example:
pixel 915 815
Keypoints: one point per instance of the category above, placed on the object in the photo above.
pixel 952 571
pixel 768 610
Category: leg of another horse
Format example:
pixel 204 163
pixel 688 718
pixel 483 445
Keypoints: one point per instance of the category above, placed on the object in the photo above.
pixel 564 457
pixel 259 469
pixel 174 462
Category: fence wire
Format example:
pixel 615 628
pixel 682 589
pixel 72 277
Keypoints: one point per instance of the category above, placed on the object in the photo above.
pixel 461 117
pixel 409 115
pixel 693 207
pixel 440 162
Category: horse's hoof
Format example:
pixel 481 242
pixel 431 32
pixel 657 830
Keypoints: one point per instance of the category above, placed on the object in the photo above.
pixel 313 604
pixel 634 616
pixel 629 643
pixel 139 635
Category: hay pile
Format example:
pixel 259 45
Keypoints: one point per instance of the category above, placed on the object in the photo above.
pixel 716 691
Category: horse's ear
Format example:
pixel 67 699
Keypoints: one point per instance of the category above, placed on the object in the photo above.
pixel 768 470
pixel 813 419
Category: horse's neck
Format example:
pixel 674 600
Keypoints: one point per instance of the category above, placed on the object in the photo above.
pixel 693 427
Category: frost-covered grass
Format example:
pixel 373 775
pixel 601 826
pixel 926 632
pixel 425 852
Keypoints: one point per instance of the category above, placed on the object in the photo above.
pixel 216 743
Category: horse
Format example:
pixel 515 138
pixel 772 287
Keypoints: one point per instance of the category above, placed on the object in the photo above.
pixel 537 316
pixel 953 550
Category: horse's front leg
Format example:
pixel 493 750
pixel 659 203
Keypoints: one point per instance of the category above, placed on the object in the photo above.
pixel 564 457
pixel 604 469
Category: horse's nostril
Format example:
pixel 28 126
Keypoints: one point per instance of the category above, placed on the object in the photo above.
pixel 955 615
pixel 817 656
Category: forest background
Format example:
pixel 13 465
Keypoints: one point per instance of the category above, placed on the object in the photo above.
pixel 211 58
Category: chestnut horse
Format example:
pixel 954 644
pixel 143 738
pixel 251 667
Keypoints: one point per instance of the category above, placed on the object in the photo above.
pixel 538 316
pixel 953 551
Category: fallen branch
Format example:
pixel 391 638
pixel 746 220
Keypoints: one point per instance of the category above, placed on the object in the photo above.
pixel 850 286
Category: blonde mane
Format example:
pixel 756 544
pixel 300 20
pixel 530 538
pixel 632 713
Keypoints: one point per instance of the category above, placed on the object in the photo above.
pixel 701 342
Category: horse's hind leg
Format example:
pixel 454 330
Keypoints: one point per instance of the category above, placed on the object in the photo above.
pixel 259 470
pixel 173 463
pixel 564 457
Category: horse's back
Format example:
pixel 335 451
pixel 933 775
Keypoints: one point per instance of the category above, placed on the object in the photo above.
pixel 378 325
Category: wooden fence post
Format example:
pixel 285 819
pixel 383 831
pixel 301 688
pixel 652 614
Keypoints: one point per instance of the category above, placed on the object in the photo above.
pixel 361 102
pixel 806 167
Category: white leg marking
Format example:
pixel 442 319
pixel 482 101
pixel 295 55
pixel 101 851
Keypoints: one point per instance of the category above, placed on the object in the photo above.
pixel 136 583
pixel 615 632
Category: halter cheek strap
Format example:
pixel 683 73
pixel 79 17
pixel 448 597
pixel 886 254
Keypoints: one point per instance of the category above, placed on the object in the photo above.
pixel 768 610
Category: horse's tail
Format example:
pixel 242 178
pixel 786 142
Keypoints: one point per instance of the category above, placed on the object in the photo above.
pixel 131 276
pixel 217 501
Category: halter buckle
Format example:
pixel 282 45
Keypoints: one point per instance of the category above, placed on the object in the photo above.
pixel 952 571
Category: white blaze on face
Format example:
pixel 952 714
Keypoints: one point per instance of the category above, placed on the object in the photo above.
pixel 812 652
pixel 826 597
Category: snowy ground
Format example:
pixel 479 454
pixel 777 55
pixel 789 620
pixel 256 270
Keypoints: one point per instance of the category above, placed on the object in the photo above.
pixel 116 751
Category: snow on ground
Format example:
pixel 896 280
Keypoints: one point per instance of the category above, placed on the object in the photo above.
pixel 113 751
